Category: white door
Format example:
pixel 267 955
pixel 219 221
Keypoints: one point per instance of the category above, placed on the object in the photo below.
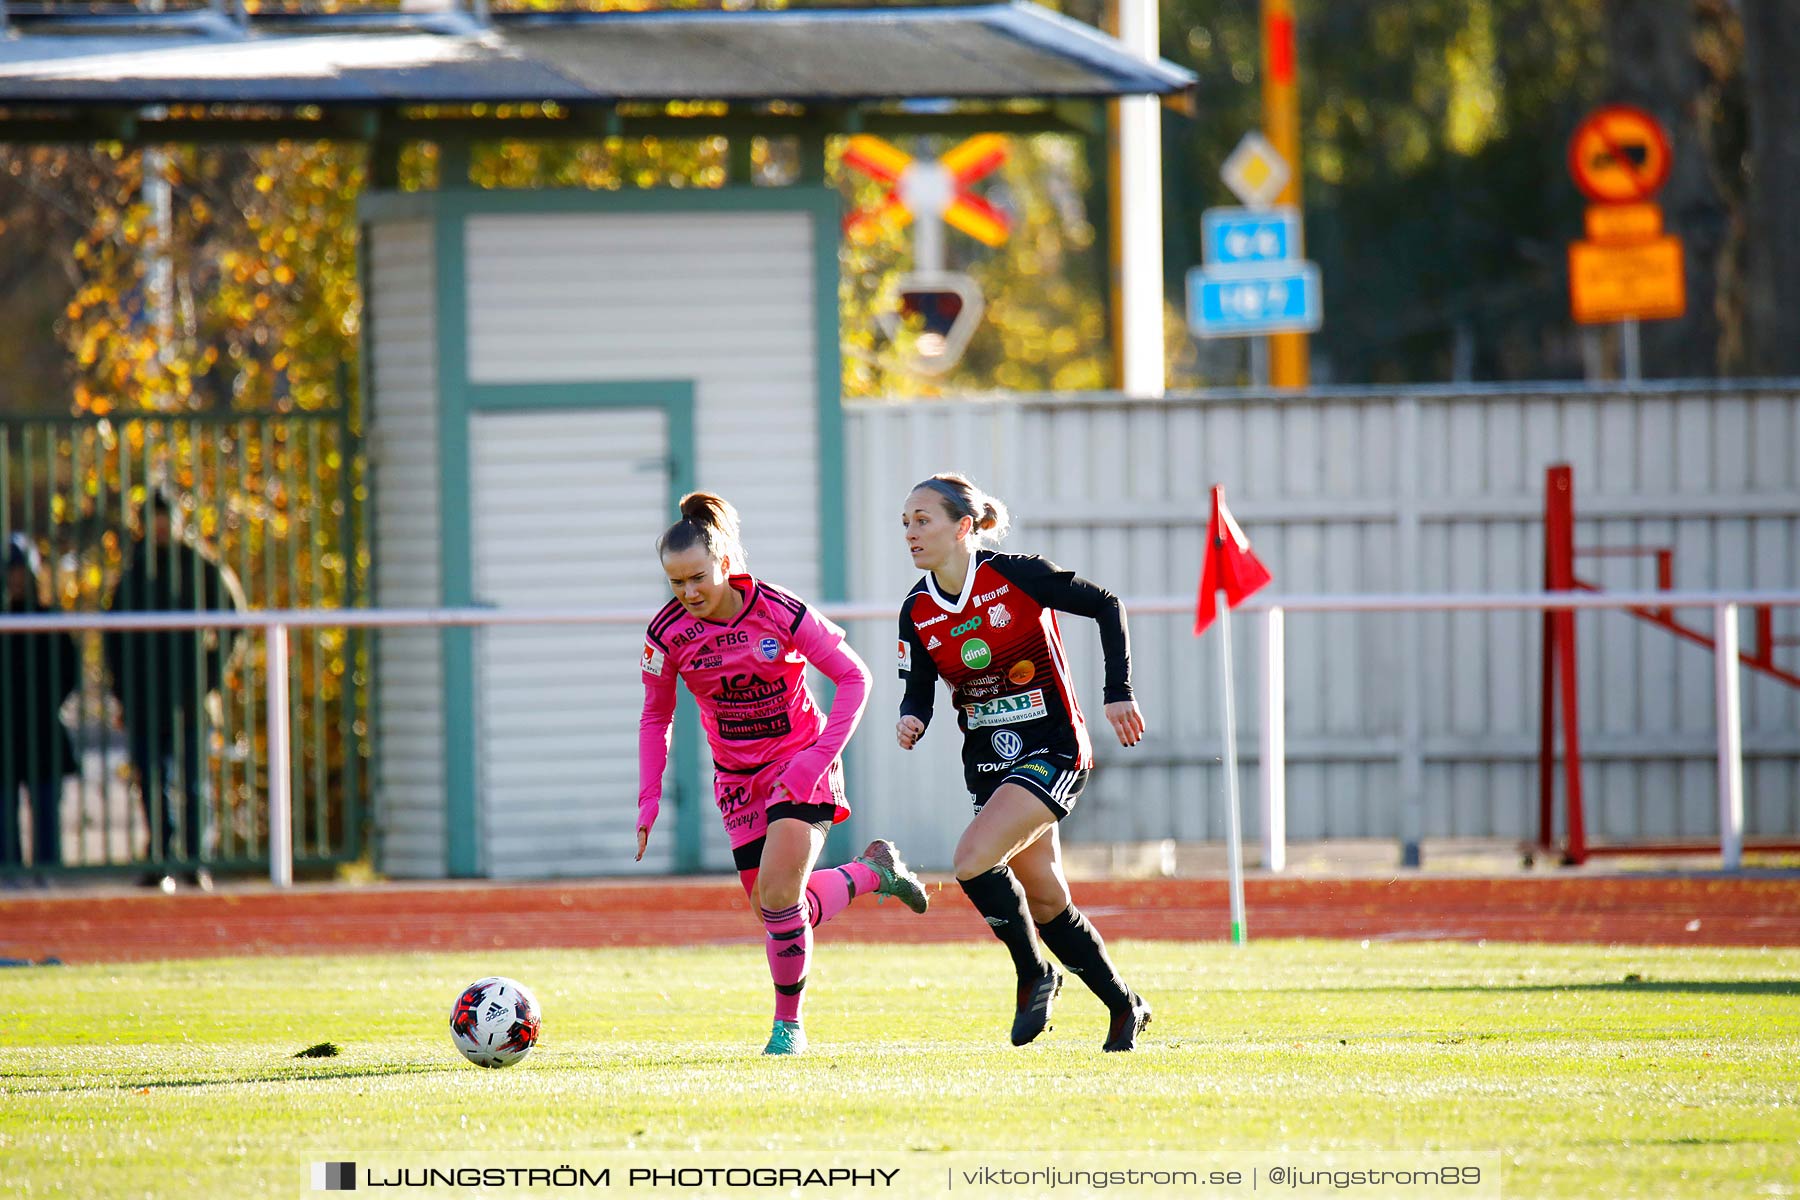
pixel 566 509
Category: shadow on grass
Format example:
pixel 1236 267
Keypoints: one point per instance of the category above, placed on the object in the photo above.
pixel 296 1076
pixel 1701 987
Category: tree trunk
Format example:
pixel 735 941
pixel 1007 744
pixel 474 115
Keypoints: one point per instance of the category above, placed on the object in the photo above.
pixel 1652 64
pixel 1772 303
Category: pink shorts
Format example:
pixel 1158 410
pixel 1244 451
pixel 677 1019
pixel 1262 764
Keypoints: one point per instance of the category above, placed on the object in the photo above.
pixel 743 799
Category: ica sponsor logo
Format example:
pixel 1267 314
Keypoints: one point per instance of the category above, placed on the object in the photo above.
pixel 976 655
pixel 968 626
pixel 1008 744
pixel 998 617
pixel 769 648
pixel 1008 710
pixel 1022 672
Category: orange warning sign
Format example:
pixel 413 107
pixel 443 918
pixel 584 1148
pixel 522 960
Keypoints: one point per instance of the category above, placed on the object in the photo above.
pixel 1619 154
pixel 1616 223
pixel 1618 282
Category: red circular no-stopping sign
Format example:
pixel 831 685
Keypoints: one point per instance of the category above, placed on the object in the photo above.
pixel 1619 155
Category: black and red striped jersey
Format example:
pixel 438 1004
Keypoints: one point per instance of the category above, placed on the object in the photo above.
pixel 998 648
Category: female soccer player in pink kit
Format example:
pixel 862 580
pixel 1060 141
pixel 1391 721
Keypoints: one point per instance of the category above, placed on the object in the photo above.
pixel 742 647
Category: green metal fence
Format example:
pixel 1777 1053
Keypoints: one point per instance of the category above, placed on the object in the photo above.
pixel 169 746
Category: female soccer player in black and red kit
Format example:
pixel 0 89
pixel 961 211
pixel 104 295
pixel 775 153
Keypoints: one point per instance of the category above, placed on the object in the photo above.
pixel 985 623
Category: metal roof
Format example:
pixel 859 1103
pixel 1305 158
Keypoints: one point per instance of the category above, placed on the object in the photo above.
pixel 826 56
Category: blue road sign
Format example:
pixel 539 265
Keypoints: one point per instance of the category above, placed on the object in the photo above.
pixel 1249 237
pixel 1239 303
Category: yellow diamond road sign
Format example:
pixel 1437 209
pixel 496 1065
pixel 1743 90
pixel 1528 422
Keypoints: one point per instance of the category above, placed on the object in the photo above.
pixel 1255 172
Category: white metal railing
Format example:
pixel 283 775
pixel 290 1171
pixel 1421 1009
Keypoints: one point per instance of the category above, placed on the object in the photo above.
pixel 1270 613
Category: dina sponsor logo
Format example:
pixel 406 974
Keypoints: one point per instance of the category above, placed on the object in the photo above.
pixel 976 655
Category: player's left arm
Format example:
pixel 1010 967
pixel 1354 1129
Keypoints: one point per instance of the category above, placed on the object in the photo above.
pixel 823 644
pixel 1065 591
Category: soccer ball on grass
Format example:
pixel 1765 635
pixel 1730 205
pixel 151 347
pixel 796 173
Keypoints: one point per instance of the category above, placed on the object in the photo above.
pixel 494 1023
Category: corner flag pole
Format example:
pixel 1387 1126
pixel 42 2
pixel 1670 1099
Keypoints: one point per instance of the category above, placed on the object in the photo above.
pixel 1234 848
pixel 1228 573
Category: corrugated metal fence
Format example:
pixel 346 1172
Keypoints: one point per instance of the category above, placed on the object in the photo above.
pixel 1431 715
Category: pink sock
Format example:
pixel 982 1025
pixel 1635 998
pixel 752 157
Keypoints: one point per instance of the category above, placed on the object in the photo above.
pixel 790 951
pixel 830 891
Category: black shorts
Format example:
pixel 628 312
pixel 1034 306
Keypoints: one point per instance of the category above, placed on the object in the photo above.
pixel 748 857
pixel 1056 779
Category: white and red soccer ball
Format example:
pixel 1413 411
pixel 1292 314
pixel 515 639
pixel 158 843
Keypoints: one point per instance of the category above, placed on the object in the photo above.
pixel 494 1023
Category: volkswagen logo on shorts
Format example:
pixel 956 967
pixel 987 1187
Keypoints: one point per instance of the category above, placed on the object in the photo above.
pixel 1008 744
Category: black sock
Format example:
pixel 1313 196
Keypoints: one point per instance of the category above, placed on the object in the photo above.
pixel 1078 944
pixel 997 896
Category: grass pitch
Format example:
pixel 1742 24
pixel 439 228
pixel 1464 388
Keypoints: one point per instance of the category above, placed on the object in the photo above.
pixel 1593 1071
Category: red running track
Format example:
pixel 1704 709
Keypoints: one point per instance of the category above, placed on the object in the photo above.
pixel 327 919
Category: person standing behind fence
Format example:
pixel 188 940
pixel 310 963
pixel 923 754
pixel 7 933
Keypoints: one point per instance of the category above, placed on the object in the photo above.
pixel 162 678
pixel 39 671
pixel 985 623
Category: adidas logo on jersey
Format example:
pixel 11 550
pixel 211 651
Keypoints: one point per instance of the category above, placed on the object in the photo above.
pixel 933 644
pixel 794 951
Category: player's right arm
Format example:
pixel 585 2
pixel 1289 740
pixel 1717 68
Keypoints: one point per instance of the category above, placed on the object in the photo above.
pixel 921 676
pixel 655 727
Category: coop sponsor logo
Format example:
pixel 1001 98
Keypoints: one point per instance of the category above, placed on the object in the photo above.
pixel 1008 710
pixel 968 626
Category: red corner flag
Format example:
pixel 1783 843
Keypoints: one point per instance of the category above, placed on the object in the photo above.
pixel 1229 565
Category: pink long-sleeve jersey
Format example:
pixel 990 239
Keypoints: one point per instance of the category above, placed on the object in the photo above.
pixel 749 677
